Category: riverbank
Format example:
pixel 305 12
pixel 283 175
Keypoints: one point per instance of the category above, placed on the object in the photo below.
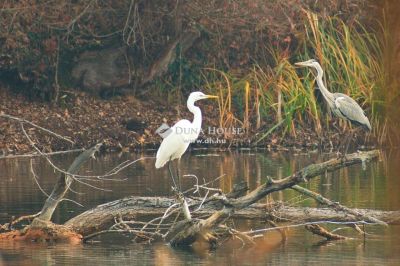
pixel 128 123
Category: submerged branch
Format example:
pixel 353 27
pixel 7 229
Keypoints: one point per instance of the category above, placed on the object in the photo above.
pixel 63 184
pixel 336 205
pixel 305 174
pixel 319 230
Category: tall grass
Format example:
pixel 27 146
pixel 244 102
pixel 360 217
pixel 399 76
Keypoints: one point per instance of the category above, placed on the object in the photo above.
pixel 352 59
pixel 283 96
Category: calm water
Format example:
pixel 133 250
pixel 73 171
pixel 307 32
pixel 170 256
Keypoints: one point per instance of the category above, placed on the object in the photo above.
pixel 375 187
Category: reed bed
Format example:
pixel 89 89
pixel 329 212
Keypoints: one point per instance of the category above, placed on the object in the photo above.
pixel 281 97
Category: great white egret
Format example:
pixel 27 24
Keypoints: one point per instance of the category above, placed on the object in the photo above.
pixel 181 135
pixel 340 104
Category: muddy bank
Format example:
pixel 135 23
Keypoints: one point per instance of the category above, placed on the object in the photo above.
pixel 127 123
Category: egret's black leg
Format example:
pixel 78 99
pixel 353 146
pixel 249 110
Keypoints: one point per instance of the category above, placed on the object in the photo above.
pixel 172 176
pixel 178 165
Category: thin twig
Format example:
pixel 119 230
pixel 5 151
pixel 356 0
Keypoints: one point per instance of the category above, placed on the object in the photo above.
pixel 304 224
pixel 38 154
pixel 56 84
pixel 131 231
pixel 21 120
pixel 73 21
pixel 112 172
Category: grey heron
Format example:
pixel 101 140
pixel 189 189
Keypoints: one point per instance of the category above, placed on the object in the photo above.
pixel 340 104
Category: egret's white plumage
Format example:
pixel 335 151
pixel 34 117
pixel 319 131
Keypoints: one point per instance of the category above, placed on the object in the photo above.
pixel 182 133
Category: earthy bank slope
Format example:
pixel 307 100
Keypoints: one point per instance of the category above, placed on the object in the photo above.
pixel 126 123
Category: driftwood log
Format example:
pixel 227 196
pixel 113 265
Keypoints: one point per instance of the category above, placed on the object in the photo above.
pixel 188 235
pixel 237 205
pixel 103 216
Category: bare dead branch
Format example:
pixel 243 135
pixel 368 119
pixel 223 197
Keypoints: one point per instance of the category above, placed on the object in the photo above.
pixel 189 233
pixel 336 205
pixel 31 155
pixel 21 120
pixel 63 183
pixel 304 174
pixel 35 177
pixel 76 177
pixel 56 84
pixel 319 230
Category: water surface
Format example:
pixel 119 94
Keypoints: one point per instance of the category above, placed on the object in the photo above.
pixel 374 187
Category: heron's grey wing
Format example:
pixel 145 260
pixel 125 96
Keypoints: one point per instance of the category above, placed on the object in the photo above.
pixel 349 109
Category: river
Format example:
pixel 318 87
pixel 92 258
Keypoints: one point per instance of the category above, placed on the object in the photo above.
pixel 376 186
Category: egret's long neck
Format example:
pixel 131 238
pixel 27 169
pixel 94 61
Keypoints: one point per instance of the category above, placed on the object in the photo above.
pixel 327 94
pixel 196 113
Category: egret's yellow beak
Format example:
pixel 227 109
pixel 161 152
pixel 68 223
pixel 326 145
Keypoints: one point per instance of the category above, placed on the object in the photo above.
pixel 212 96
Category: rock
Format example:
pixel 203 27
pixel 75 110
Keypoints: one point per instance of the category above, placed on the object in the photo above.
pixel 101 70
pixel 135 125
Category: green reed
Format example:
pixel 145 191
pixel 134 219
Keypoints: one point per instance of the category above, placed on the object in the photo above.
pixel 283 96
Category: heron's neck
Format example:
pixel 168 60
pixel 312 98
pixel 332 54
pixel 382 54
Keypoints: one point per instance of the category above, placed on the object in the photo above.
pixel 196 114
pixel 327 94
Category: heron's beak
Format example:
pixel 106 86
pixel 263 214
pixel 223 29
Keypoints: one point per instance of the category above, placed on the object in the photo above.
pixel 301 64
pixel 212 96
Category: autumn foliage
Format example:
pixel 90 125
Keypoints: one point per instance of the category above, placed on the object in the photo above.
pixel 34 33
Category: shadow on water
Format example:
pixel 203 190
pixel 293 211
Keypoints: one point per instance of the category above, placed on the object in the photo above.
pixel 375 187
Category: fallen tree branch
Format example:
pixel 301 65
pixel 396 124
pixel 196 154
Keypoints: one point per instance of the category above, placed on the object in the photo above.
pixel 282 232
pixel 81 178
pixel 102 216
pixel 284 227
pixel 221 207
pixel 186 236
pixel 336 205
pixel 63 184
pixel 121 215
pixel 9 226
pixel 41 229
pixel 319 230
pixel 303 175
